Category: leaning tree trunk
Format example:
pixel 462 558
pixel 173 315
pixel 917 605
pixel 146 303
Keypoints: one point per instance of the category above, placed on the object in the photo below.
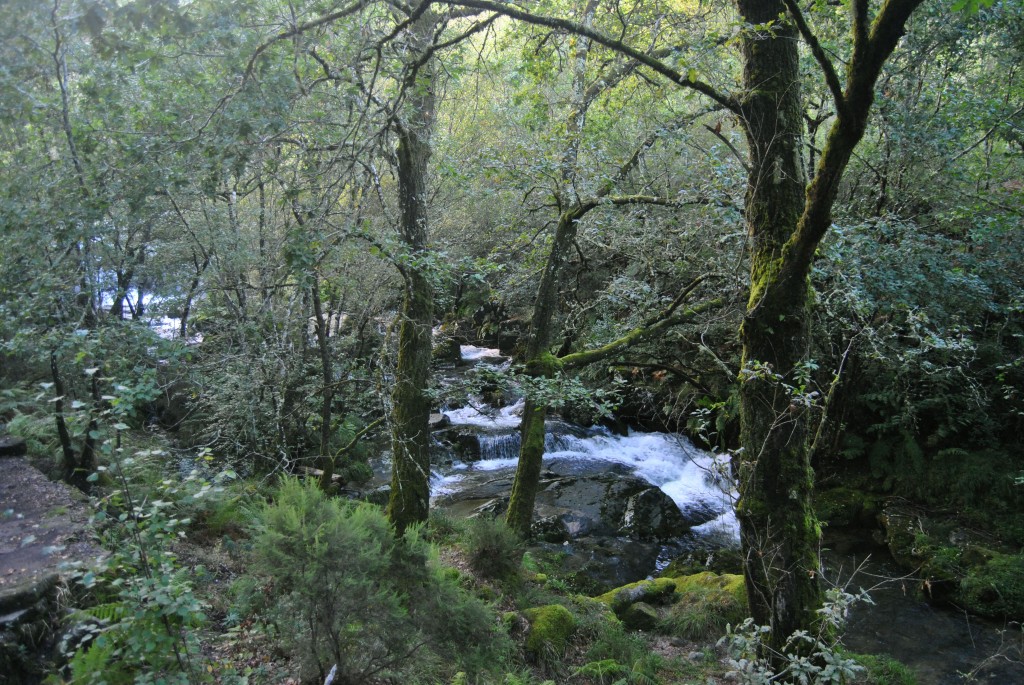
pixel 410 415
pixel 540 363
pixel 539 360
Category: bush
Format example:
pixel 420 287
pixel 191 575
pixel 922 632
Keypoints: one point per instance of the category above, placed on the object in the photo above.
pixel 344 590
pixel 140 614
pixel 494 550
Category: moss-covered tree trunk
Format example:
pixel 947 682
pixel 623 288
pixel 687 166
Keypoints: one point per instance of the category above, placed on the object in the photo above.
pixel 540 363
pixel 786 221
pixel 410 414
pixel 778 531
pixel 539 360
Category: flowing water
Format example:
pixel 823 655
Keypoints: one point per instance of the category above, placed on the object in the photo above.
pixel 940 645
pixel 690 476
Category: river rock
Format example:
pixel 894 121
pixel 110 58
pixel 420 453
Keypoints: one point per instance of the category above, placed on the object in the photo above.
pixel 568 508
pixel 438 421
pixel 652 515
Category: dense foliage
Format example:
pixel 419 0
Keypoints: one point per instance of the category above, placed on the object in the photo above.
pixel 207 228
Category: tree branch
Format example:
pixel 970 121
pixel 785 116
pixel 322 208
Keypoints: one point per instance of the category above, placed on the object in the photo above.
pixel 831 78
pixel 646 59
pixel 635 336
pixel 300 29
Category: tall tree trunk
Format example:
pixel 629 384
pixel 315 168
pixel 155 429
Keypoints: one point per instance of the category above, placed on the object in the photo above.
pixel 787 220
pixel 778 531
pixel 540 363
pixel 325 461
pixel 410 475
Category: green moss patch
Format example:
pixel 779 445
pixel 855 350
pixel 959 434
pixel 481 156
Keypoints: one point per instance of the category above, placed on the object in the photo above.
pixel 551 627
pixel 707 603
pixel 996 588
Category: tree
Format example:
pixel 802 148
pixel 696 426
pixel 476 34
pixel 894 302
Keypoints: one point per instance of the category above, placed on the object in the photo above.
pixel 410 446
pixel 787 217
pixel 574 203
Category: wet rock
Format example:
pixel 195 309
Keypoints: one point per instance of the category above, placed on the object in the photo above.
pixel 652 515
pixel 464 445
pixel 439 421
pixel 12 446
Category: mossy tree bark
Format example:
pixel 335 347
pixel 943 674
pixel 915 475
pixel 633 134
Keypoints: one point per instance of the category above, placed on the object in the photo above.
pixel 786 219
pixel 410 414
pixel 539 361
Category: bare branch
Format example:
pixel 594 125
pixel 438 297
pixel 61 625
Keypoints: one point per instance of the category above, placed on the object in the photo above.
pixel 831 78
pixel 300 29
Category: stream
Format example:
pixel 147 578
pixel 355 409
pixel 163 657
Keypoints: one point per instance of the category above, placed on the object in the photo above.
pixel 593 482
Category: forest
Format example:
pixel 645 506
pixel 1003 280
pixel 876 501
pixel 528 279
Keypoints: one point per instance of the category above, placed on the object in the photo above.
pixel 516 342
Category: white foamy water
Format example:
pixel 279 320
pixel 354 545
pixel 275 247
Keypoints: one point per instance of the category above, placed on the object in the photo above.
pixel 476 413
pixel 690 476
pixel 686 474
pixel 471 353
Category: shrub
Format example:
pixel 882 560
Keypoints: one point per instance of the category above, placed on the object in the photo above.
pixel 140 615
pixel 344 590
pixel 494 550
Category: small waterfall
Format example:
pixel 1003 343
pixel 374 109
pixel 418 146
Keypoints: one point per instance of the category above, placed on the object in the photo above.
pixel 691 477
pixel 499 445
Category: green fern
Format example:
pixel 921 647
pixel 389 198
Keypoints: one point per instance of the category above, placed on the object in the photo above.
pixel 108 613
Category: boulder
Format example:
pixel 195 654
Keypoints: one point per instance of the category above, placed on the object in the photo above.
pixel 652 515
pixel 640 616
pixel 438 421
pixel 551 627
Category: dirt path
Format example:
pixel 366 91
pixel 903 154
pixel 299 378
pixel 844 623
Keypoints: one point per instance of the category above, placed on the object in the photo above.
pixel 43 525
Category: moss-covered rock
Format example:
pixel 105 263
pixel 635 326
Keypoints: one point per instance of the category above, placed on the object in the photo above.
pixel 551 627
pixel 640 616
pixel 996 588
pixel 656 591
pixel 846 507
pixel 726 583
pixel 699 604
pixel 728 560
pixel 901 527
pixel 953 567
